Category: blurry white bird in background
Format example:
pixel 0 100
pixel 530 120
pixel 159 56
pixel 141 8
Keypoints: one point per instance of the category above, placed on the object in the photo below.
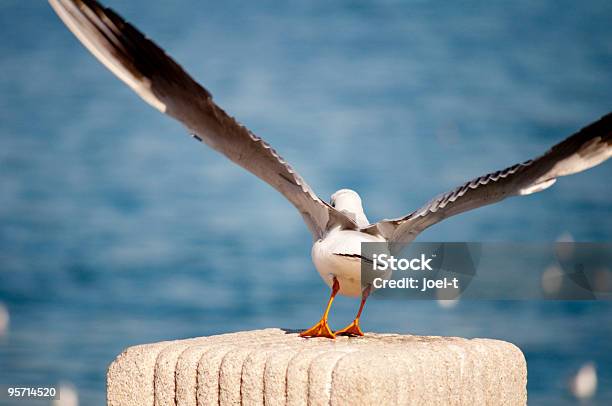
pixel 68 395
pixel 583 385
pixel 4 320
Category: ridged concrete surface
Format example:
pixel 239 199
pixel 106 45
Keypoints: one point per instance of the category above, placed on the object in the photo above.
pixel 274 367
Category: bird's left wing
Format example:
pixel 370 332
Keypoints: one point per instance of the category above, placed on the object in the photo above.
pixel 162 83
pixel 588 147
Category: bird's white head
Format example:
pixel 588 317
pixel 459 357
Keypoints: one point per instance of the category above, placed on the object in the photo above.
pixel 348 201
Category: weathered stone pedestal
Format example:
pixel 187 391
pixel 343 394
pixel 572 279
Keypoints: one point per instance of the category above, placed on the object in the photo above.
pixel 274 367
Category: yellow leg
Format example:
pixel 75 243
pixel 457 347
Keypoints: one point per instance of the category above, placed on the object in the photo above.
pixel 321 329
pixel 353 329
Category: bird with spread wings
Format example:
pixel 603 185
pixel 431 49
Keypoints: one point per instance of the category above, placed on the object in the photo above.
pixel 340 226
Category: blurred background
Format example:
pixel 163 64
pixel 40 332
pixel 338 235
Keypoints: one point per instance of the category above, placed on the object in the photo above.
pixel 117 228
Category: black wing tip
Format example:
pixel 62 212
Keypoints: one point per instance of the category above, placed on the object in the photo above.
pixel 601 127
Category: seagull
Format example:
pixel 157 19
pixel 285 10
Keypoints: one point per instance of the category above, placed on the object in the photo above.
pixel 339 227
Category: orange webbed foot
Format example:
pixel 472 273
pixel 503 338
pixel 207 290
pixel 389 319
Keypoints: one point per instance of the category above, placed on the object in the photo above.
pixel 321 329
pixel 352 330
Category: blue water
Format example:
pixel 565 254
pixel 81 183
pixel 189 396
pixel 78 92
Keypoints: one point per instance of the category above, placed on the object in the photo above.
pixel 116 228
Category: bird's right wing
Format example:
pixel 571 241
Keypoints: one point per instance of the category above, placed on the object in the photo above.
pixel 588 147
pixel 162 83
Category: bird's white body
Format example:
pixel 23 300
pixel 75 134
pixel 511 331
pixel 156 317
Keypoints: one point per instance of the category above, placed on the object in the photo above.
pixel 338 252
pixel 338 255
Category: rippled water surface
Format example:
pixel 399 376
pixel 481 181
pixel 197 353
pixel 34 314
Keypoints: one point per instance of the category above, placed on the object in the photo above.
pixel 116 228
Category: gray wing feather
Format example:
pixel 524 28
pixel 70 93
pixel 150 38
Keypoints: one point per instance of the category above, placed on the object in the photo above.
pixel 162 83
pixel 589 147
